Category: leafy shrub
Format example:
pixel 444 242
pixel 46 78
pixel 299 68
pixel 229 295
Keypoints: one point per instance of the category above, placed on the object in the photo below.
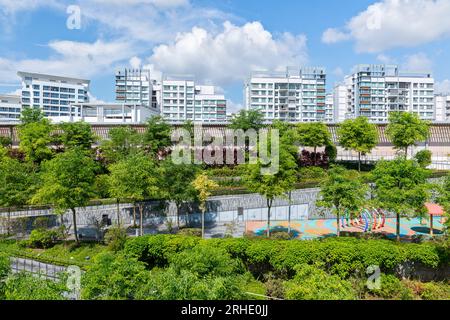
pixel 331 152
pixel 281 235
pixel 43 239
pixel 191 232
pixel 113 277
pixel 116 238
pixel 24 286
pixel 312 173
pixel 41 223
pixel 169 284
pixel 275 288
pixel 204 260
pixel 312 283
pixel 5 265
pixel 423 158
pixel 435 291
pixel 392 288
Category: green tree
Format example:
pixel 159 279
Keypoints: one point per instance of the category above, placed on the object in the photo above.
pixel 204 186
pixel 135 178
pixel 113 277
pixel 176 183
pixel 341 191
pixel 247 119
pixel 77 135
pixel 423 158
pixel 30 115
pixel 358 135
pixel 313 134
pixel 35 140
pixel 405 129
pixel 157 136
pixel 16 184
pixel 275 184
pixel 68 182
pixel 122 142
pixel 401 187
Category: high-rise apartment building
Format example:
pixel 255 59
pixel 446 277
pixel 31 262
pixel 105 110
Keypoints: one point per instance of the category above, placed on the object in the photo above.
pixel 329 108
pixel 376 90
pixel 10 108
pixel 297 95
pixel 341 103
pixel 135 86
pixel 442 107
pixel 54 95
pixel 183 100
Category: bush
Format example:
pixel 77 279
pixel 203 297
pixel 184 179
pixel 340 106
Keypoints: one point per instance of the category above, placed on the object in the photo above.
pixel 43 239
pixel 24 286
pixel 204 260
pixel 435 291
pixel 113 277
pixel 275 288
pixel 191 232
pixel 116 238
pixel 41 223
pixel 331 152
pixel 423 158
pixel 5 265
pixel 312 283
pixel 392 288
pixel 281 235
pixel 312 173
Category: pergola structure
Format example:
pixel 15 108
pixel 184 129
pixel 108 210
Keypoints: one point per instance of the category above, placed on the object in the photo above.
pixel 434 210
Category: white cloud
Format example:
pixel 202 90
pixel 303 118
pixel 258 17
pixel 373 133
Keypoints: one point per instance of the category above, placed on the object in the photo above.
pixel 135 62
pixel 333 35
pixel 70 58
pixel 418 62
pixel 442 86
pixel 385 59
pixel 229 55
pixel 395 23
pixel 338 72
pixel 233 107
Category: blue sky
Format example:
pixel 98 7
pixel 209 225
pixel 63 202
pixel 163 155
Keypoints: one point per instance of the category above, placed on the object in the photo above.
pixel 221 42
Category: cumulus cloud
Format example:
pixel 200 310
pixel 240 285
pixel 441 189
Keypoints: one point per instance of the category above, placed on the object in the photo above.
pixel 395 23
pixel 333 35
pixel 442 87
pixel 70 58
pixel 229 55
pixel 418 62
pixel 135 62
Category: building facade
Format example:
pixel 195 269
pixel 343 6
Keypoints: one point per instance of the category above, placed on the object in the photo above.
pixel 10 108
pixel 183 100
pixel 112 113
pixel 135 86
pixel 376 90
pixel 297 95
pixel 54 95
pixel 341 103
pixel 329 108
pixel 442 107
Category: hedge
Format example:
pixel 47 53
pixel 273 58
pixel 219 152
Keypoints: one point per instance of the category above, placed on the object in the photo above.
pixel 340 256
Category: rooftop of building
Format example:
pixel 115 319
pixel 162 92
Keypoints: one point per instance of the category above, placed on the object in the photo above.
pixel 24 74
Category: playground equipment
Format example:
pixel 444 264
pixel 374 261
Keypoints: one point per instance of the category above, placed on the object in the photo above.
pixel 368 219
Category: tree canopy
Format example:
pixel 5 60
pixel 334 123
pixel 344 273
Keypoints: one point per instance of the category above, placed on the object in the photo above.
pixel 358 135
pixel 247 119
pixel 405 129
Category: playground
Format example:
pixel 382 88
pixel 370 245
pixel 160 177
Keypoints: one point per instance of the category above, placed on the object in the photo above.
pixel 369 221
